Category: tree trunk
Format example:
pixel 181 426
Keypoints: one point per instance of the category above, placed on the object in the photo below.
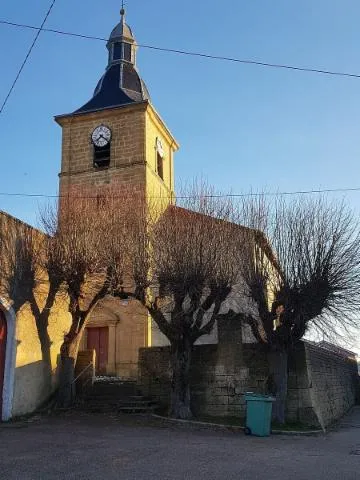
pixel 69 351
pixel 180 382
pixel 66 382
pixel 278 366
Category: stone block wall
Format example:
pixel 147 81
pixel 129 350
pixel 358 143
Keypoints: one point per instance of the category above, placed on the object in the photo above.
pixel 333 382
pixel 217 388
pixel 321 386
pixel 127 148
pixel 135 129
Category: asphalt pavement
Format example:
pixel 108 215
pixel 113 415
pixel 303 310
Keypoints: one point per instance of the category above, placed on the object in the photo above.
pixel 85 447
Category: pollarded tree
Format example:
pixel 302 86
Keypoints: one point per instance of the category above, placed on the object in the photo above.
pixel 80 255
pixel 310 278
pixel 186 264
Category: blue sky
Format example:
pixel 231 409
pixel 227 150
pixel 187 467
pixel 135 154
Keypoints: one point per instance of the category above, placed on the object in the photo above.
pixel 242 127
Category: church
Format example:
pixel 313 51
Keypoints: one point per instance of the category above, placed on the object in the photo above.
pixel 118 139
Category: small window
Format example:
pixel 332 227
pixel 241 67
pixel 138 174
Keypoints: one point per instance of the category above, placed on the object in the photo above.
pixel 117 51
pixel 127 52
pixel 122 51
pixel 159 158
pixel 160 165
pixel 102 156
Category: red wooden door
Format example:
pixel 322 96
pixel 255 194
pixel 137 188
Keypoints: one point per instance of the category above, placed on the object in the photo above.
pixel 98 339
pixel 3 338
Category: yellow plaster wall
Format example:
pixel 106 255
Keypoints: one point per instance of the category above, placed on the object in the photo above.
pixel 30 378
pixel 130 337
pixel 30 383
pixel 155 186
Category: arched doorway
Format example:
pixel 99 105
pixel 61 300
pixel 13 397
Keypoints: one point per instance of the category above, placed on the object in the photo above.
pixel 116 330
pixel 3 340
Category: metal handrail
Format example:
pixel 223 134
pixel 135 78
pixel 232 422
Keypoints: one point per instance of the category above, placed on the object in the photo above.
pixel 82 372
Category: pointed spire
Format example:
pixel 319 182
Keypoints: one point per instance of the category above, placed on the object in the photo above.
pixel 121 83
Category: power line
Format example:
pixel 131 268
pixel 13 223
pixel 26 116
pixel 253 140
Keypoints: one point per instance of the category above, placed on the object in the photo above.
pixel 27 56
pixel 226 195
pixel 195 54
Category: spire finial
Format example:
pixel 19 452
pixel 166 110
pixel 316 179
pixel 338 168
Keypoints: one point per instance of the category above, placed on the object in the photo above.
pixel 122 11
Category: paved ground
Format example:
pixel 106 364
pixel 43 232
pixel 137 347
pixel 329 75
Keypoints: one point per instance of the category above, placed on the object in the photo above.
pixel 85 447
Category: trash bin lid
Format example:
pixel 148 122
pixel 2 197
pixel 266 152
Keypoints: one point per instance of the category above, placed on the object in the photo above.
pixel 258 397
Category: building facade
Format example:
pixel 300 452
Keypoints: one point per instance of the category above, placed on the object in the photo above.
pixel 29 347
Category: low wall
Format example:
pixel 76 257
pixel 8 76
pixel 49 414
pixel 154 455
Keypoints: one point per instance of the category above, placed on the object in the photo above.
pixel 321 388
pixel 333 383
pixel 217 388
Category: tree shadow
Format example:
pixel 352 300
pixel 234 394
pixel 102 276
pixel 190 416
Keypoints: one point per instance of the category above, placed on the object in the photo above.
pixel 23 281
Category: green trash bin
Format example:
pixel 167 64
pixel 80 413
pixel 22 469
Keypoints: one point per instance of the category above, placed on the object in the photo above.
pixel 258 414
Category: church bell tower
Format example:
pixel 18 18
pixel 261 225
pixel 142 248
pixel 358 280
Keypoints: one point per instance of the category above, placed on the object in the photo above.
pixel 117 138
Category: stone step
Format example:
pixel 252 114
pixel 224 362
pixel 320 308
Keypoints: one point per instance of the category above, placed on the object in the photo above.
pixel 149 408
pixel 108 408
pixel 115 396
pixel 114 401
pixel 138 403
pixel 115 386
pixel 106 396
pixel 111 379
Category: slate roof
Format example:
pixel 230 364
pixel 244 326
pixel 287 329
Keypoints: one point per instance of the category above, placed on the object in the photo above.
pixel 121 83
pixel 112 92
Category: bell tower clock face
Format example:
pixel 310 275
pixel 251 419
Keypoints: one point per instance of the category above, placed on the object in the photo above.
pixel 101 136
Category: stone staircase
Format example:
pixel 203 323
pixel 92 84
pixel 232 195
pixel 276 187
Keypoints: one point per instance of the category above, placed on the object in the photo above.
pixel 113 395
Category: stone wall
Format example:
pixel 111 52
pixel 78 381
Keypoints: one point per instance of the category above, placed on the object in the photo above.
pixel 333 382
pixel 322 385
pixel 217 389
pixel 135 129
pixel 127 164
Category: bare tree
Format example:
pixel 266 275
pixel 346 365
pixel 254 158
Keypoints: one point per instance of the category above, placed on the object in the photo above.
pixel 186 263
pixel 310 277
pixel 81 258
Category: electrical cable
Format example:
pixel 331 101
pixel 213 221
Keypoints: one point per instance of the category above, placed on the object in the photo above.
pixel 27 57
pixel 226 195
pixel 196 54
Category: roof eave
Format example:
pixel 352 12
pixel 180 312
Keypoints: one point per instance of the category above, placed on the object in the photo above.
pixel 58 118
